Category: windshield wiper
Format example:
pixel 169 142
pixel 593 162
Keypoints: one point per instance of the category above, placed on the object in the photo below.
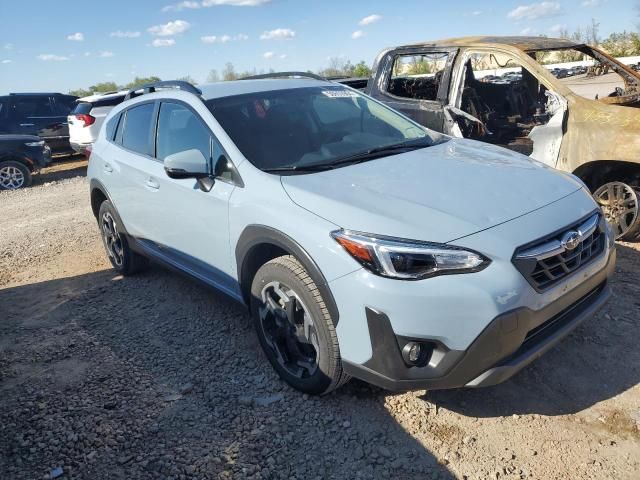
pixel 370 154
pixel 382 151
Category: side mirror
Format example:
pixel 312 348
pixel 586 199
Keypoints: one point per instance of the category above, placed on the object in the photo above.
pixel 187 164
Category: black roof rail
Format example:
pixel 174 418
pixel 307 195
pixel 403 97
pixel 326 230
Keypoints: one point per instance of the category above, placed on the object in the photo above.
pixel 285 75
pixel 152 87
pixel 17 94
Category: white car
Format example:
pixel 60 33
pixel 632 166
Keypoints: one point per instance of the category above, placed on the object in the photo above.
pixel 87 116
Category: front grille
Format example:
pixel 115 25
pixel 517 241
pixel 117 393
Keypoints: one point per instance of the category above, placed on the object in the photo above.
pixel 548 261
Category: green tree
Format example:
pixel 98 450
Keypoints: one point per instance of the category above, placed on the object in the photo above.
pixel 80 92
pixel 104 87
pixel 139 81
pixel 361 69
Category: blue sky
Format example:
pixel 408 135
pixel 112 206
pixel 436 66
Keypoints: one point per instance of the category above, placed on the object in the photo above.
pixel 58 46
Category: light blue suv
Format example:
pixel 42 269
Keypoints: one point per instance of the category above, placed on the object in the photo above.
pixel 363 244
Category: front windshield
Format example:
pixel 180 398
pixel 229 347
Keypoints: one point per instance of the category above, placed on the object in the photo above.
pixel 298 127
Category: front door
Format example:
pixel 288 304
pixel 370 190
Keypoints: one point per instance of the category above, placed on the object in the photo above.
pixel 191 225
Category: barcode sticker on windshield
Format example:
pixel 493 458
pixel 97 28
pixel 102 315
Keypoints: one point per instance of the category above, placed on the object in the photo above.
pixel 339 93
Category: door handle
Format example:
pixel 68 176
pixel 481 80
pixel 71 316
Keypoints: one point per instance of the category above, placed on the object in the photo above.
pixel 27 124
pixel 108 168
pixel 152 184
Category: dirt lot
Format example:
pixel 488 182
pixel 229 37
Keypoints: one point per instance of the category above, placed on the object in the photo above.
pixel 154 376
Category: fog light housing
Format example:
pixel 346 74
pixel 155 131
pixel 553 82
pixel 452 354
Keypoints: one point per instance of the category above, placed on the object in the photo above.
pixel 416 354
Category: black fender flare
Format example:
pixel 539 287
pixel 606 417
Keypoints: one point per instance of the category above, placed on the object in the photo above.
pixel 255 235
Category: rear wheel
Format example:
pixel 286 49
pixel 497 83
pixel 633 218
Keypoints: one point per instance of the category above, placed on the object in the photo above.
pixel 121 256
pixel 295 328
pixel 619 203
pixel 14 175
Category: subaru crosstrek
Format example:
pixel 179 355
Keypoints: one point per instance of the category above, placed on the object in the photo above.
pixel 363 244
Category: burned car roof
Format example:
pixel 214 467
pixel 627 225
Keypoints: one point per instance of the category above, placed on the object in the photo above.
pixel 523 43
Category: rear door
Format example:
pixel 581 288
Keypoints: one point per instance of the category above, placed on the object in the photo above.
pixel 44 116
pixel 415 81
pixel 127 165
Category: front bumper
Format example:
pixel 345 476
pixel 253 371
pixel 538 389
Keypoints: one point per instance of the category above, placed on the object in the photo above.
pixel 510 342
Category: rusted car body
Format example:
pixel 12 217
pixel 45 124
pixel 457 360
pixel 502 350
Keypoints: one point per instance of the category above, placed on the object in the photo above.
pixel 594 136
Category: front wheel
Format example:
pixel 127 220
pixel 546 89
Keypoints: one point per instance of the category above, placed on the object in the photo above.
pixel 295 328
pixel 619 203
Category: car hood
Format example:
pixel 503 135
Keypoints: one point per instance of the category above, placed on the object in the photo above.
pixel 438 194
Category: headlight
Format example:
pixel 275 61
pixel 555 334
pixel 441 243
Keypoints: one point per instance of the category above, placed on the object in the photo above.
pixel 408 259
pixel 35 144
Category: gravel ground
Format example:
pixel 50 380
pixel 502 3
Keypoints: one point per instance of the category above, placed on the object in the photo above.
pixel 155 376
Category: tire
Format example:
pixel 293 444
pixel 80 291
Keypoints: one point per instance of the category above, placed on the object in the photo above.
pixel 620 204
pixel 124 260
pixel 14 175
pixel 281 278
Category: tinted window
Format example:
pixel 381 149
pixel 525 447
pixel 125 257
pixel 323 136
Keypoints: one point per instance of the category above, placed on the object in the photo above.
pixel 63 104
pixel 32 106
pixel 137 128
pixel 180 129
pixel 110 128
pixel 81 108
pixel 4 107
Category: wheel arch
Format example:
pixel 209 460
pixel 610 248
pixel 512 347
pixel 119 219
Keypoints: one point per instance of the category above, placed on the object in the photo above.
pixel 597 172
pixel 258 244
pixel 16 157
pixel 98 195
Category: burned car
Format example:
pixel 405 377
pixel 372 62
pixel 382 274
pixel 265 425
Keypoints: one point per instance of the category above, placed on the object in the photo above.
pixel 501 90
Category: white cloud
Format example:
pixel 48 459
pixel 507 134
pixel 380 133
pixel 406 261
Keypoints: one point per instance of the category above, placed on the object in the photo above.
pixel 127 34
pixel 357 34
pixel 475 13
pixel 8 46
pixel 534 11
pixel 282 56
pixel 76 37
pixel 278 34
pixel 106 54
pixel 87 54
pixel 50 57
pixel 6 61
pixel 163 42
pixel 169 29
pixel 268 55
pixel 370 19
pixel 189 4
pixel 592 3
pixel 223 38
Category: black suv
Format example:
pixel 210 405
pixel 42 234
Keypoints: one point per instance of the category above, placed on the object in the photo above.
pixel 20 156
pixel 41 114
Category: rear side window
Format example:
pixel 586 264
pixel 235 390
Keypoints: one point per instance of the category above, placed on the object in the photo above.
pixel 418 76
pixel 137 128
pixel 32 106
pixel 4 107
pixel 81 108
pixel 110 127
pixel 180 129
pixel 63 104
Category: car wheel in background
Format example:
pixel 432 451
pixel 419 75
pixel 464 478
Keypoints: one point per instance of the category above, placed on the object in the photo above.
pixel 295 328
pixel 619 202
pixel 123 259
pixel 14 175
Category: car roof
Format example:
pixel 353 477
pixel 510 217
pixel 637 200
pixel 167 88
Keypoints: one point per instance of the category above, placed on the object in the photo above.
pixel 239 87
pixel 103 96
pixel 527 44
